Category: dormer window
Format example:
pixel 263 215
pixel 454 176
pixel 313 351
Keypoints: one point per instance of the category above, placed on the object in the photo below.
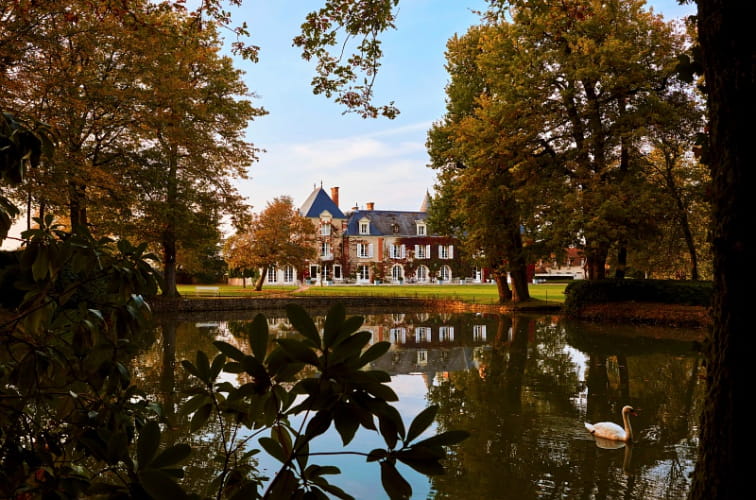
pixel 365 226
pixel 421 229
pixel 325 229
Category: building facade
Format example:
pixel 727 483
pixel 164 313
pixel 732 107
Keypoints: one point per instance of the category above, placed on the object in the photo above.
pixel 377 246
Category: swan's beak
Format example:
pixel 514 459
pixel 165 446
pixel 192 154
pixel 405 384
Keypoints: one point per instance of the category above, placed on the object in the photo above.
pixel 635 412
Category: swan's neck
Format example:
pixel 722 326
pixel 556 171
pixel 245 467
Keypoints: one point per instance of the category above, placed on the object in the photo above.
pixel 628 429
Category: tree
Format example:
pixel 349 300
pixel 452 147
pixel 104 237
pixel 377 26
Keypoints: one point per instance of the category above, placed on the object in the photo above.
pixel 189 145
pixel 470 155
pixel 575 84
pixel 727 48
pixel 278 236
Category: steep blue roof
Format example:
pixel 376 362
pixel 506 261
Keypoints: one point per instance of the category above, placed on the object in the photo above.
pixel 317 202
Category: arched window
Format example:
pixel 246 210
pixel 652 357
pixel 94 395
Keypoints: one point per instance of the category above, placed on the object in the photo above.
pixel 422 274
pixel 445 273
pixel 397 272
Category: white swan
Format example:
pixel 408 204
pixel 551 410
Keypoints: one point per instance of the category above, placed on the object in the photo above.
pixel 612 431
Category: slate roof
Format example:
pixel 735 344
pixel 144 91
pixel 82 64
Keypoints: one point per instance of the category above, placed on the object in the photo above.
pixel 317 202
pixel 382 222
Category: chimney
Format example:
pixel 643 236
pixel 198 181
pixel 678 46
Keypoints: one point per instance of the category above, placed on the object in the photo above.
pixel 335 195
pixel 370 205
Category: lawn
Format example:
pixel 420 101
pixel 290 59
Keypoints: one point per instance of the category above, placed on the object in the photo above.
pixel 478 294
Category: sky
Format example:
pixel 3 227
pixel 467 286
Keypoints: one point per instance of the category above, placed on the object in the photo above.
pixel 309 141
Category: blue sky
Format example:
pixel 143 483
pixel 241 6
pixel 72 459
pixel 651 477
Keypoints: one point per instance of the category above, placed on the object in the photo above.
pixel 307 138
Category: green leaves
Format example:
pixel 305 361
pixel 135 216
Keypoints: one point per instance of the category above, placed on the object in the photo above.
pixel 336 389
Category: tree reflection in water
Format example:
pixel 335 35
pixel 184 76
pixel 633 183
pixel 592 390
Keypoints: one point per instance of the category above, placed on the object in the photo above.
pixel 522 385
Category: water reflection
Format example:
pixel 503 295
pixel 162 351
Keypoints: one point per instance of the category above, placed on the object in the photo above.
pixel 522 385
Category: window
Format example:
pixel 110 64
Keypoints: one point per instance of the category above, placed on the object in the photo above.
pixel 272 274
pixel 422 251
pixel 398 335
pixel 422 274
pixel 314 271
pixel 395 228
pixel 337 272
pixel 397 251
pixel 422 357
pixel 363 273
pixel 479 333
pixel 421 231
pixel 397 272
pixel 325 229
pixel 289 274
pixel 325 249
pixel 364 250
pixel 422 334
pixel 445 273
pixel 365 226
pixel 446 333
pixel 446 251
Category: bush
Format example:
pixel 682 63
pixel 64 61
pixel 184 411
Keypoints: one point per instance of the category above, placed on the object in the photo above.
pixel 582 293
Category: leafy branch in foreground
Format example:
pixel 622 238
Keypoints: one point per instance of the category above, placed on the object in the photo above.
pixel 342 392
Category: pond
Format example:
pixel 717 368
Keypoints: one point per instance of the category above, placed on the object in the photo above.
pixel 522 386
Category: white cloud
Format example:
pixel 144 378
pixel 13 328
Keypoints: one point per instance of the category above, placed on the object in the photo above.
pixel 387 167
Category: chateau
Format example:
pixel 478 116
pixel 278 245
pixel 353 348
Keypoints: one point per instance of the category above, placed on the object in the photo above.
pixel 375 246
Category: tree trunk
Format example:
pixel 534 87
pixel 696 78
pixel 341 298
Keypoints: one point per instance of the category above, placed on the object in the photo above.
pixel 169 232
pixel 260 281
pixel 518 269
pixel 723 469
pixel 619 273
pixel 505 294
pixel 595 257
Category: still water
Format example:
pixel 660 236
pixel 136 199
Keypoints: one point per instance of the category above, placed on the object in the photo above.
pixel 521 385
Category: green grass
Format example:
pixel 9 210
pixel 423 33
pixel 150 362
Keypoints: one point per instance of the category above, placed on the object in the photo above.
pixel 478 294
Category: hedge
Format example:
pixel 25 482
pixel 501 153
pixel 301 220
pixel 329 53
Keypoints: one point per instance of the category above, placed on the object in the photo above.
pixel 584 292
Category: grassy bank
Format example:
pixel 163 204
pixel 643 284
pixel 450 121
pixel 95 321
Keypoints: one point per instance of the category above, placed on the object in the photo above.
pixel 474 294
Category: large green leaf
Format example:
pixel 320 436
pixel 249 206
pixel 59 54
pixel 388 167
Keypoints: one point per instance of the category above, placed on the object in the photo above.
pixel 160 485
pixel 258 337
pixel 422 421
pixel 148 443
pixel 333 323
pixel 395 485
pixel 303 323
pixel 172 456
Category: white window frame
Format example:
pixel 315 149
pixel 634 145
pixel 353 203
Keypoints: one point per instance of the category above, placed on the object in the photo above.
pixel 397 251
pixel 446 251
pixel 289 274
pixel 445 273
pixel 397 272
pixel 325 249
pixel 337 272
pixel 364 226
pixel 423 334
pixel 422 274
pixel 272 274
pixel 398 335
pixel 422 251
pixel 445 333
pixel 325 229
pixel 363 272
pixel 479 333
pixel 421 229
pixel 365 250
